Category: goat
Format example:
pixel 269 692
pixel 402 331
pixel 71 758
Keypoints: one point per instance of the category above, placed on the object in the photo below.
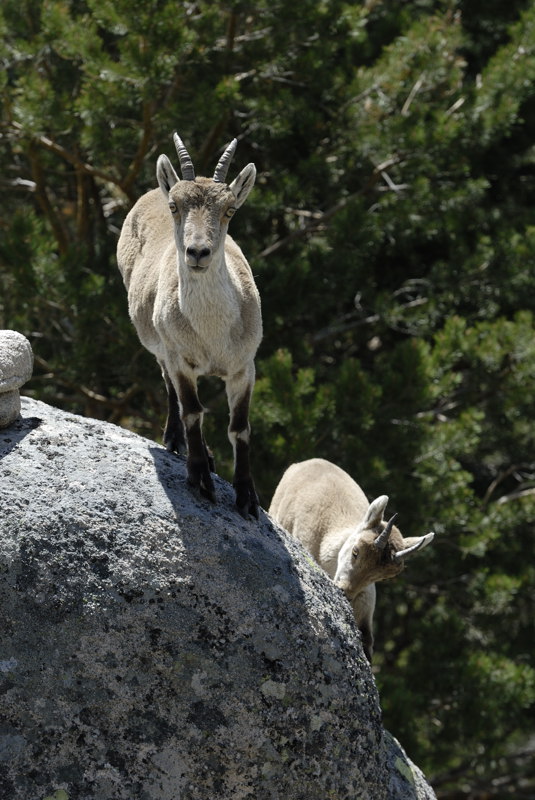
pixel 195 306
pixel 323 507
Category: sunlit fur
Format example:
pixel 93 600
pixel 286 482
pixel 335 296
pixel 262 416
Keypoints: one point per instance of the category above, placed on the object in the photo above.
pixel 323 507
pixel 191 293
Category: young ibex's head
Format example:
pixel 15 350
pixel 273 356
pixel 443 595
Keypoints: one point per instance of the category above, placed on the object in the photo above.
pixel 201 208
pixel 374 551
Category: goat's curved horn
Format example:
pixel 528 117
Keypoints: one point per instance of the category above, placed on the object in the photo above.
pixel 422 542
pixel 186 164
pixel 221 170
pixel 382 539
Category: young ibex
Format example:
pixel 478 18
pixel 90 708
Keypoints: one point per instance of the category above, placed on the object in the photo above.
pixel 328 512
pixel 195 306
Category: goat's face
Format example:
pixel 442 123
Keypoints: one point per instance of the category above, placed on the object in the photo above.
pixel 201 208
pixel 374 551
pixel 201 212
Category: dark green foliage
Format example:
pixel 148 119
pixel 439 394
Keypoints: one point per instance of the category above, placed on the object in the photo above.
pixel 392 237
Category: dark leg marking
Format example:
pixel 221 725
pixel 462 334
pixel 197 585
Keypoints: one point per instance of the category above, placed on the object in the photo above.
pixel 246 497
pixel 199 458
pixel 367 641
pixel 209 456
pixel 173 436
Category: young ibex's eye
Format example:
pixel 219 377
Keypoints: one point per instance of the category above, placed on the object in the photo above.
pixel 172 207
pixel 230 212
pixel 355 552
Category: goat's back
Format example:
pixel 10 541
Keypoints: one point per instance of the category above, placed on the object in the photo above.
pixel 147 243
pixel 146 235
pixel 318 502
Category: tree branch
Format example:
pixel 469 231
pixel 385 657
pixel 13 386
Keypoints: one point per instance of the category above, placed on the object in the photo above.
pixel 412 94
pixel 75 160
pixel 44 202
pixel 135 166
pixel 113 403
pixel 514 777
pixel 496 482
pixel 322 217
pixel 506 498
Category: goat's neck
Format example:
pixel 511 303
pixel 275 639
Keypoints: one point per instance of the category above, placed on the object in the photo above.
pixel 208 296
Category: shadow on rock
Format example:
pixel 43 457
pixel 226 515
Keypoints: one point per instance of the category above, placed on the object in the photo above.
pixel 11 436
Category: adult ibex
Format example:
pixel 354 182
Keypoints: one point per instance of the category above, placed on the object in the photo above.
pixel 195 306
pixel 328 512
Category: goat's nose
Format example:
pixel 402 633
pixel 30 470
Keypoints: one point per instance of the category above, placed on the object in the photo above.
pixel 198 256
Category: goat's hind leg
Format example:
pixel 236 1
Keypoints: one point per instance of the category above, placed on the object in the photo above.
pixel 200 462
pixel 173 435
pixel 239 390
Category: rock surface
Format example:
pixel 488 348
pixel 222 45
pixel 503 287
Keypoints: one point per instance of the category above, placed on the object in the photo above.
pixel 16 365
pixel 156 647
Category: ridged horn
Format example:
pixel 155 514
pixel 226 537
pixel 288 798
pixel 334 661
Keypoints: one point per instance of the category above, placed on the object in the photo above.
pixel 223 164
pixel 422 542
pixel 186 164
pixel 382 539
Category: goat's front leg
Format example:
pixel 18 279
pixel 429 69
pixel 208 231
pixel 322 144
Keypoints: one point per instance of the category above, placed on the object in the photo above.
pixel 363 608
pixel 367 640
pixel 199 460
pixel 239 390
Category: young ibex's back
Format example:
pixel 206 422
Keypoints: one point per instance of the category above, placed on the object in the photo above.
pixel 195 306
pixel 328 512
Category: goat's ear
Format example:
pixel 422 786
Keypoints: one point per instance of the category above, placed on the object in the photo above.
pixel 242 185
pixel 374 514
pixel 412 544
pixel 166 175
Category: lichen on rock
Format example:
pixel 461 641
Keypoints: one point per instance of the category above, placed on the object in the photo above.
pixel 157 647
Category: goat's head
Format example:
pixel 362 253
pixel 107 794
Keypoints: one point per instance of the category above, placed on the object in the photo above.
pixel 374 551
pixel 201 208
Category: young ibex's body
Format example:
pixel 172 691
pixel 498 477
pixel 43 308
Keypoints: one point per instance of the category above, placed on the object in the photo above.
pixel 328 512
pixel 195 306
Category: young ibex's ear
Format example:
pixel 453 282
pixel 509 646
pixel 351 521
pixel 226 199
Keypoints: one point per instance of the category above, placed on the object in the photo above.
pixel 375 513
pixel 166 175
pixel 412 544
pixel 242 185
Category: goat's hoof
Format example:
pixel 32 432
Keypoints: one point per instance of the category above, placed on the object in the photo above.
pixel 245 511
pixel 202 491
pixel 208 493
pixel 174 445
pixel 199 479
pixel 246 499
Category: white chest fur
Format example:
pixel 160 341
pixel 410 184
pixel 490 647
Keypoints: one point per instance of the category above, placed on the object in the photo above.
pixel 206 318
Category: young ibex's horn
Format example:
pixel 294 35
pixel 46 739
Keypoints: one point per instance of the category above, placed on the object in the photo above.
pixel 186 164
pixel 422 542
pixel 223 164
pixel 382 539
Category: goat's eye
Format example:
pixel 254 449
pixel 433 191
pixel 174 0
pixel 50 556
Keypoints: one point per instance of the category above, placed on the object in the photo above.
pixel 172 207
pixel 230 212
pixel 355 552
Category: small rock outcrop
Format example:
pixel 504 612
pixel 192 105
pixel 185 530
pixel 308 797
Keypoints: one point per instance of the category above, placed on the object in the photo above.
pixel 157 647
pixel 16 365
